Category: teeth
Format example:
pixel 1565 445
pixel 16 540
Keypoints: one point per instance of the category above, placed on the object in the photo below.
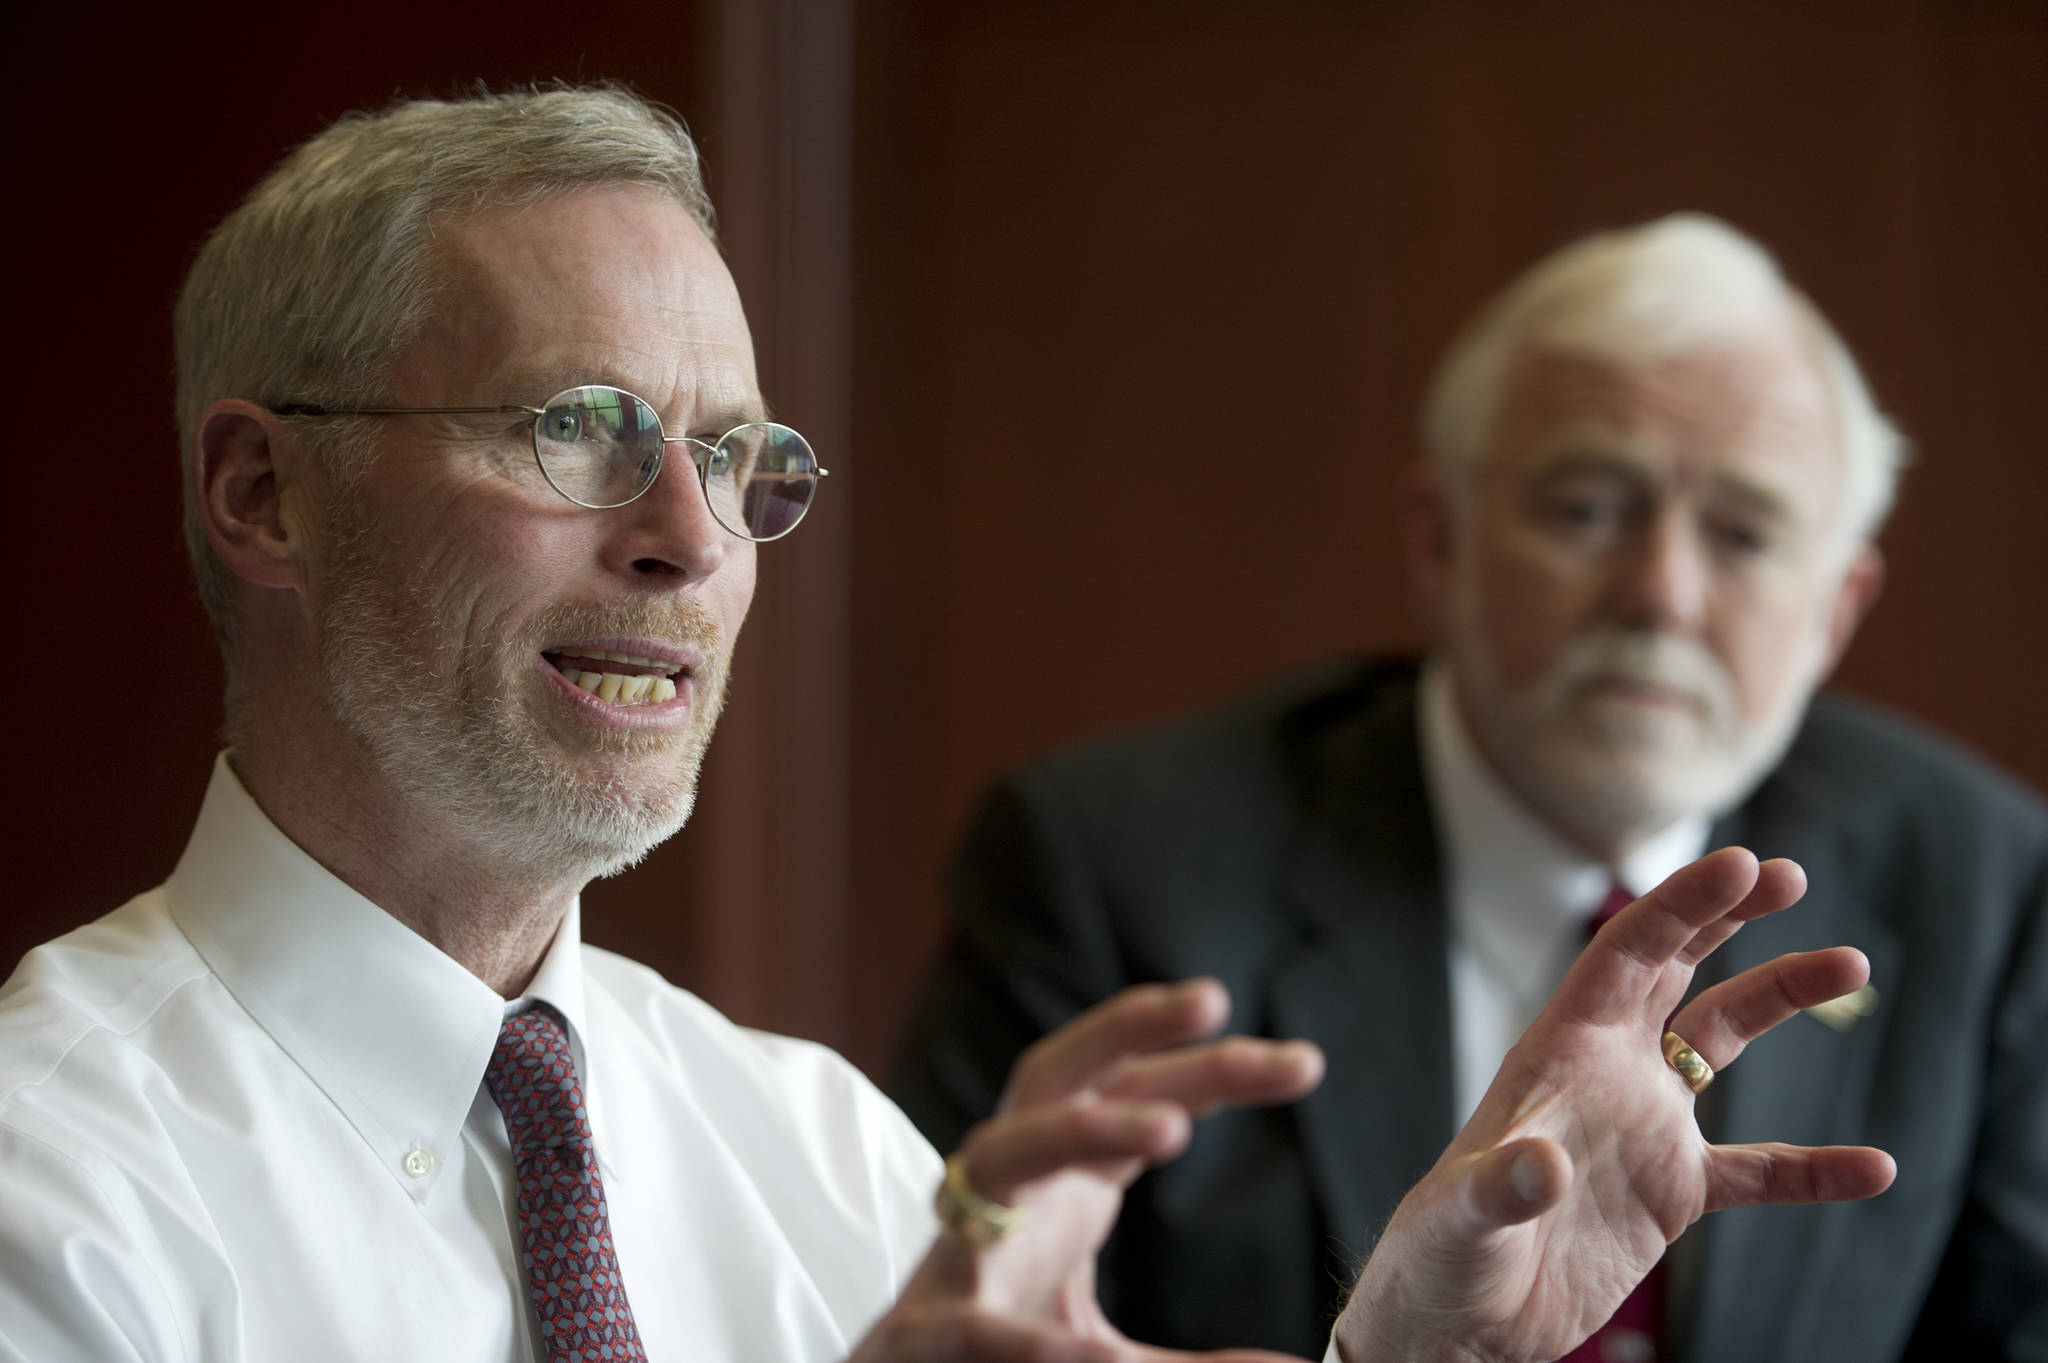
pixel 623 688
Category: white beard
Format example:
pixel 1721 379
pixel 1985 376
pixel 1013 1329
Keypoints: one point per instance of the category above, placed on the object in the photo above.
pixel 1614 771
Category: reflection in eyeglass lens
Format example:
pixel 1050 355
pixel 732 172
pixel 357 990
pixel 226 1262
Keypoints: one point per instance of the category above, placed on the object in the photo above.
pixel 602 447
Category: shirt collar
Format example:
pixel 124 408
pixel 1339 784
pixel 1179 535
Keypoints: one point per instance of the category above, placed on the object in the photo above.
pixel 559 984
pixel 559 981
pixel 1509 875
pixel 392 1030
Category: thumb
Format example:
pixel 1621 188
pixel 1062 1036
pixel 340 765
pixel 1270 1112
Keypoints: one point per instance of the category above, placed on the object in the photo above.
pixel 1515 1182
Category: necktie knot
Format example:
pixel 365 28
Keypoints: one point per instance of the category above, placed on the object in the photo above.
pixel 1617 899
pixel 532 1079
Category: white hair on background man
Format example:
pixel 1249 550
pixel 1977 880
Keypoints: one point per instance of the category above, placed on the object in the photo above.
pixel 1641 294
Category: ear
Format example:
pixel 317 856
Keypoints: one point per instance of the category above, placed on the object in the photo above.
pixel 1427 532
pixel 240 488
pixel 1855 596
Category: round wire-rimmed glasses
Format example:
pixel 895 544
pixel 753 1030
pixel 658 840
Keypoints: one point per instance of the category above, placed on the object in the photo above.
pixel 602 447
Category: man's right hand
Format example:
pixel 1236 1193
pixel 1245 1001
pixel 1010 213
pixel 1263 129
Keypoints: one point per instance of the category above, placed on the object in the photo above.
pixel 1583 1161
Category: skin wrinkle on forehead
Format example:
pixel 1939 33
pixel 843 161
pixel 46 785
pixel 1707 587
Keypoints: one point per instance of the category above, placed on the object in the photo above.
pixel 495 270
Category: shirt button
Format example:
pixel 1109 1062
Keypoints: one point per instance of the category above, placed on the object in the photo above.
pixel 418 1162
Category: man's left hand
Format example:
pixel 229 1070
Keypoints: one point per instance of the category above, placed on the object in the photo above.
pixel 1086 1110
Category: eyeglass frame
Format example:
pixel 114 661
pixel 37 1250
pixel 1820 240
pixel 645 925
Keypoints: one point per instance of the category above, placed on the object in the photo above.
pixel 701 462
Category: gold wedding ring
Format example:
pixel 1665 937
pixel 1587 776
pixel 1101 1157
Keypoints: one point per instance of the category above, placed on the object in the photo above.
pixel 969 1215
pixel 1696 1072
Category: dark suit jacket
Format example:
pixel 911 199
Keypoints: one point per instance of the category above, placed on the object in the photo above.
pixel 1284 844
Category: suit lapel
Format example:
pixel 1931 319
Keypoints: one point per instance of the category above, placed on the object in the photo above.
pixel 1367 979
pixel 1804 1083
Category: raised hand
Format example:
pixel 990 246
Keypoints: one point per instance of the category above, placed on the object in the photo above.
pixel 1584 1160
pixel 1085 1110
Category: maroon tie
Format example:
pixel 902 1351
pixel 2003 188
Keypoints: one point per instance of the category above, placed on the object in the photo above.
pixel 572 1272
pixel 1618 898
pixel 1632 1333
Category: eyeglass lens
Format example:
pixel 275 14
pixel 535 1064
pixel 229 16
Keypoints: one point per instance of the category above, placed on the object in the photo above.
pixel 601 447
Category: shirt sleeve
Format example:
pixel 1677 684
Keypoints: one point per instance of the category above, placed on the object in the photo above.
pixel 76 1281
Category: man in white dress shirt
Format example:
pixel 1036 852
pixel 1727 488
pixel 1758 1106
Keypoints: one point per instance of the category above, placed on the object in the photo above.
pixel 476 462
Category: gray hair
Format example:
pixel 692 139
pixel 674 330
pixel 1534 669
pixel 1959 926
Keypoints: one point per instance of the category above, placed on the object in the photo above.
pixel 313 286
pixel 1645 293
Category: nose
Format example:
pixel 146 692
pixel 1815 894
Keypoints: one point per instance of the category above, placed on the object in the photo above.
pixel 667 537
pixel 1663 583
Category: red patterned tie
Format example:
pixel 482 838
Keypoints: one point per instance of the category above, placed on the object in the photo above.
pixel 1632 1333
pixel 572 1272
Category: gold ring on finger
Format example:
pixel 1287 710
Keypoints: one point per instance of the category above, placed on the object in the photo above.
pixel 978 1220
pixel 1696 1072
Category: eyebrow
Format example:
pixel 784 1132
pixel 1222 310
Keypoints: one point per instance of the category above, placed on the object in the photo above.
pixel 1753 497
pixel 1575 460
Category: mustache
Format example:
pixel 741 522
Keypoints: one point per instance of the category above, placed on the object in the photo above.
pixel 678 619
pixel 1669 661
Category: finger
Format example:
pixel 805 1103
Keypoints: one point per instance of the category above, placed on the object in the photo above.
pixel 1723 1020
pixel 1146 1018
pixel 1746 1175
pixel 957 1331
pixel 1614 977
pixel 1235 1071
pixel 1509 1184
pixel 1007 1152
pixel 1780 883
pixel 1707 940
pixel 1656 927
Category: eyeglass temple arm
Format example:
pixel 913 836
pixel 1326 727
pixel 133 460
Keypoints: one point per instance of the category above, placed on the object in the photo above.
pixel 315 409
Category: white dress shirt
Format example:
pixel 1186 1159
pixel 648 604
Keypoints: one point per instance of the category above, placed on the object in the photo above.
pixel 1519 897
pixel 243 1118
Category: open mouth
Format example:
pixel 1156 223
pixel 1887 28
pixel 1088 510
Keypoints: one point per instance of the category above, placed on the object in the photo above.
pixel 620 678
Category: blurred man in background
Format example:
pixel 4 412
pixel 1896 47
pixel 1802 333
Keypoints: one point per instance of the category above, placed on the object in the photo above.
pixel 1641 539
